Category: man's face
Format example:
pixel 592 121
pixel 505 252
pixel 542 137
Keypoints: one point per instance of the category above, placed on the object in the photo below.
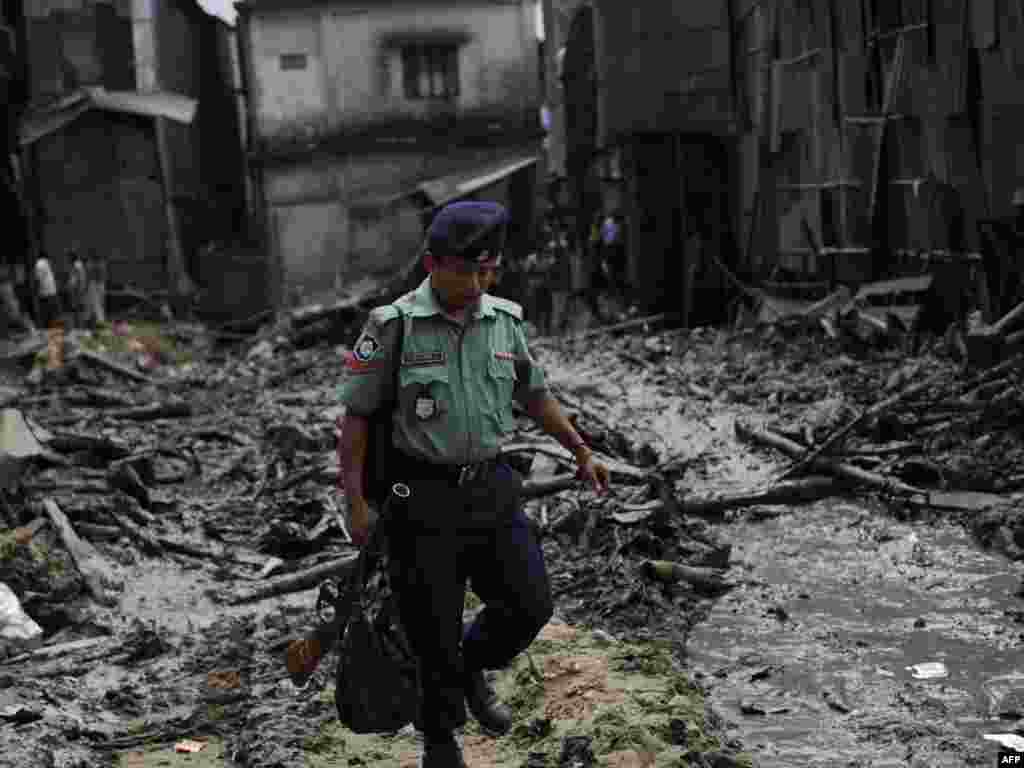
pixel 460 282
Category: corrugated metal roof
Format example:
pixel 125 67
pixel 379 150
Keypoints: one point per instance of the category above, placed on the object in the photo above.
pixel 447 188
pixel 180 109
pixel 43 122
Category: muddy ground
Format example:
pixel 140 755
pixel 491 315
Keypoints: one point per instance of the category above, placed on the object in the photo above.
pixel 233 478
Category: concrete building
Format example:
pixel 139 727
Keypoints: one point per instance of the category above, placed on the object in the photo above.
pixel 366 116
pixel 130 142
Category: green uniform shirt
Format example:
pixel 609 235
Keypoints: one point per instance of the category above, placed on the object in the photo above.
pixel 456 383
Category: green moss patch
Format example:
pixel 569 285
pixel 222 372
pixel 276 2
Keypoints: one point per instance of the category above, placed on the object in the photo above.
pixel 633 701
pixel 35 555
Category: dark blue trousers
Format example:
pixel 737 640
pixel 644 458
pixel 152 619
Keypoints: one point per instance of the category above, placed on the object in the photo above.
pixel 441 536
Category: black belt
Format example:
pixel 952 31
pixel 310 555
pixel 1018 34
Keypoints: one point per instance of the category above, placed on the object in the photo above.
pixel 460 474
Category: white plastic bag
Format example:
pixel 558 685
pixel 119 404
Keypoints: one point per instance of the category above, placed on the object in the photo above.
pixel 18 632
pixel 929 670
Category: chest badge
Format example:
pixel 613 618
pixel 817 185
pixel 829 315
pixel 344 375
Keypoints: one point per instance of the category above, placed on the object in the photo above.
pixel 426 407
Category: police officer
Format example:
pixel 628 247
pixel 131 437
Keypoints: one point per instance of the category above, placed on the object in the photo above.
pixel 455 513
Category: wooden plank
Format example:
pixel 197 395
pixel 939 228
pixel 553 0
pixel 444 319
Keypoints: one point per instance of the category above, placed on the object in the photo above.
pixel 913 284
pixel 906 98
pixel 853 67
pixel 970 501
pixel 824 29
pixel 851 25
pixel 831 251
pixel 777 79
pixel 803 58
pixel 744 8
pixel 895 73
pixel 113 367
pixel 60 649
pixel 891 33
pixel 967 501
pixel 908 314
pixel 874 120
pixel 984 23
pixel 98 577
pixel 761 436
pixel 856 183
pixel 293 582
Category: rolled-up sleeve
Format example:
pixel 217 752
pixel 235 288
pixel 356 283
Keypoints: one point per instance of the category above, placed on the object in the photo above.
pixel 368 376
pixel 530 379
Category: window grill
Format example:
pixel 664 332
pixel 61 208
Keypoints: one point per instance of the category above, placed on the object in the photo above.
pixel 430 70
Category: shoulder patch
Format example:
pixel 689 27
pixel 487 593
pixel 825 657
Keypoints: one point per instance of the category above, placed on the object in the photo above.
pixel 508 307
pixel 367 347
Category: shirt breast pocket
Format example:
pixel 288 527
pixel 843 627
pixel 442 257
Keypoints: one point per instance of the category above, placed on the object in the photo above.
pixel 501 382
pixel 424 396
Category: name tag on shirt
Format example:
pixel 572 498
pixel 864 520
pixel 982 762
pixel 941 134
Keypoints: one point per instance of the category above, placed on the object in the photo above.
pixel 504 356
pixel 415 359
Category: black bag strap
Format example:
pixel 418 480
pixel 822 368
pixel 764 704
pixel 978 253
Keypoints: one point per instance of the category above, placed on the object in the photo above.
pixel 399 351
pixel 371 551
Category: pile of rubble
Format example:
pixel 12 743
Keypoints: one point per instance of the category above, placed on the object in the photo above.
pixel 893 313
pixel 926 428
pixel 151 447
pixel 211 452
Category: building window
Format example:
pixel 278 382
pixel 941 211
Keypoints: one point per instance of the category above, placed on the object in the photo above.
pixel 431 70
pixel 292 61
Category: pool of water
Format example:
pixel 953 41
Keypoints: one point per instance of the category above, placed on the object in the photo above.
pixel 811 657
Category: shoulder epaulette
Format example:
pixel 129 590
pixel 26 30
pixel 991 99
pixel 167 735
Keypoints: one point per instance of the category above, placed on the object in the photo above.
pixel 508 307
pixel 381 316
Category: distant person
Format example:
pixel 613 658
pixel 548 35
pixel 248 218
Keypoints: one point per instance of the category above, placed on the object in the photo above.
pixel 24 290
pixel 46 288
pixel 78 289
pixel 14 317
pixel 613 246
pixel 96 289
pixel 594 273
pixel 595 282
pixel 609 232
pixel 560 276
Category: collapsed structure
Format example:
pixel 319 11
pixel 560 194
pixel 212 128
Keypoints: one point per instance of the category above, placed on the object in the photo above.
pixel 829 142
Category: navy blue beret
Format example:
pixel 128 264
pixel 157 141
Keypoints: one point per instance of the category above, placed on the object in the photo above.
pixel 471 229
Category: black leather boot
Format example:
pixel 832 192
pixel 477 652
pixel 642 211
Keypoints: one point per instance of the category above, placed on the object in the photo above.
pixel 492 715
pixel 442 754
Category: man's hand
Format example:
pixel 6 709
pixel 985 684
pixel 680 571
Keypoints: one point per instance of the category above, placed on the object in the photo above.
pixel 592 471
pixel 544 410
pixel 359 520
